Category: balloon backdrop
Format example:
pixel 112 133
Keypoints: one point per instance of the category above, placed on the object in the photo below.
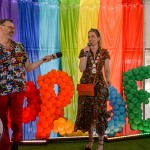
pixel 63 126
pixel 52 105
pixel 135 97
pixel 117 120
pixel 33 107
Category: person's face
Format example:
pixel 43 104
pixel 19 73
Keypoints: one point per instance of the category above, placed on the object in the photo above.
pixel 8 29
pixel 92 38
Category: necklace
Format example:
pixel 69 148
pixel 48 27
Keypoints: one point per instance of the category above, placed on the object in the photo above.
pixel 94 63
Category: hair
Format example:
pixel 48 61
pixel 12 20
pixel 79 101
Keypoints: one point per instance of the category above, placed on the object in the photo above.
pixel 98 35
pixel 2 21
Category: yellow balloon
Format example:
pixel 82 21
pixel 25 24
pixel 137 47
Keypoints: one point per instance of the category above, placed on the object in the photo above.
pixel 62 133
pixel 56 123
pixel 79 132
pixel 60 127
pixel 55 130
pixel 61 120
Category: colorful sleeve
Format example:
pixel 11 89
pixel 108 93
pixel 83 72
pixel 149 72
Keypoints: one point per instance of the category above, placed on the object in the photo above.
pixel 106 54
pixel 24 55
pixel 81 53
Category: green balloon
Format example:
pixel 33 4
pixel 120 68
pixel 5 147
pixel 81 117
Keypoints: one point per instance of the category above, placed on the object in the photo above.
pixel 134 100
pixel 135 110
pixel 146 101
pixel 131 116
pixel 145 69
pixel 135 71
pixel 129 96
pixel 127 87
pixel 130 105
pixel 142 74
pixel 129 73
pixel 146 129
pixel 125 78
pixel 138 105
pixel 142 97
pixel 137 95
pixel 132 77
pixel 136 121
pixel 141 92
pixel 138 78
pixel 140 127
pixel 124 74
pixel 124 83
pixel 132 91
pixel 146 76
pixel 145 123
pixel 131 82
pixel 125 93
pixel 133 126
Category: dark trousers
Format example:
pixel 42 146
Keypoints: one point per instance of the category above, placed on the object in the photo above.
pixel 14 104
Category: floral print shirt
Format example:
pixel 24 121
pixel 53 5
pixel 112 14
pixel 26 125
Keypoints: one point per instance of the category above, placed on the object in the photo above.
pixel 12 69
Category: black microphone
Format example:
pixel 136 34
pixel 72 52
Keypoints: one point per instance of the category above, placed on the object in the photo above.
pixel 89 44
pixel 56 55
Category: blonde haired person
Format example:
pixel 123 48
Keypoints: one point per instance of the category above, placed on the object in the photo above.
pixel 92 112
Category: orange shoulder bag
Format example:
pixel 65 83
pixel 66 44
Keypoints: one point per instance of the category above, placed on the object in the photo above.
pixel 88 89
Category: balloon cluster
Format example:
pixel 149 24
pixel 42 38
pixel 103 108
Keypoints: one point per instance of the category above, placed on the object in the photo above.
pixel 52 105
pixel 135 97
pixel 33 107
pixel 63 126
pixel 79 133
pixel 117 120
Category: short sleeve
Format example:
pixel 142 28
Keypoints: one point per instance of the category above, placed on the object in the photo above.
pixel 24 55
pixel 81 53
pixel 106 54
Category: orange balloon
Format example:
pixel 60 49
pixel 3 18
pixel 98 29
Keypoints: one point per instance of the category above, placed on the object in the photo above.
pixel 59 80
pixel 46 113
pixel 48 104
pixel 40 78
pixel 58 112
pixel 58 103
pixel 50 74
pixel 50 119
pixel 44 86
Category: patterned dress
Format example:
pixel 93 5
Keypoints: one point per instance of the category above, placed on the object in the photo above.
pixel 93 108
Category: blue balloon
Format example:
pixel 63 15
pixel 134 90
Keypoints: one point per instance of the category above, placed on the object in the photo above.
pixel 121 117
pixel 119 101
pixel 117 121
pixel 116 107
pixel 122 109
pixel 117 113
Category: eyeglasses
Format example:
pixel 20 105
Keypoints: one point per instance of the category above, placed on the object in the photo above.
pixel 10 27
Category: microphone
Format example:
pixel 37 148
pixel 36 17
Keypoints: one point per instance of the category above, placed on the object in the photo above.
pixel 56 55
pixel 89 44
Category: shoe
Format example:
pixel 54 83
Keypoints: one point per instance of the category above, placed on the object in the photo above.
pixel 15 146
pixel 90 144
pixel 100 145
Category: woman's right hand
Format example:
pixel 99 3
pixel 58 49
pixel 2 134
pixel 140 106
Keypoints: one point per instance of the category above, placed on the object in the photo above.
pixel 86 49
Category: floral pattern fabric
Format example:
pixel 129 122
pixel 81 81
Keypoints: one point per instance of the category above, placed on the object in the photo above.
pixel 12 69
pixel 93 108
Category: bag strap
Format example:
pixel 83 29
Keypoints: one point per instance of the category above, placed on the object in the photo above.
pixel 101 54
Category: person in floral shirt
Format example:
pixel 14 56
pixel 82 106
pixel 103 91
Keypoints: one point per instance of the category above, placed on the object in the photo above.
pixel 13 66
pixel 92 111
